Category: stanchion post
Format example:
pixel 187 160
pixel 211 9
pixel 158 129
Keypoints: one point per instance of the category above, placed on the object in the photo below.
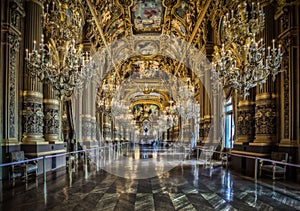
pixel 226 161
pixel 86 164
pixel 255 170
pixel 44 169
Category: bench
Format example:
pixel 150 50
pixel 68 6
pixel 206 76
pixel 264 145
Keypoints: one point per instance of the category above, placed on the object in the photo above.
pixel 274 169
pixel 22 170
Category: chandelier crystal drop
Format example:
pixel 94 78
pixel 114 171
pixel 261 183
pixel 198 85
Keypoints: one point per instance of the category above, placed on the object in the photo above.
pixel 242 62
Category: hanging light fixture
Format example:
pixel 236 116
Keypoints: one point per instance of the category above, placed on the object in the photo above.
pixel 242 63
pixel 61 61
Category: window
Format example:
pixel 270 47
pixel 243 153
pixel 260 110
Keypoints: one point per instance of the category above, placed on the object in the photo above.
pixel 229 124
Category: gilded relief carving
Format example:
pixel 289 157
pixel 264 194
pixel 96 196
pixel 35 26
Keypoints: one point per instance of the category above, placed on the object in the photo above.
pixel 265 119
pixel 51 120
pixel 33 118
pixel 245 122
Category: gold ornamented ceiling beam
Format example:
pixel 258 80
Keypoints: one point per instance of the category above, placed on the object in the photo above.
pixel 100 30
pixel 195 30
pixel 199 21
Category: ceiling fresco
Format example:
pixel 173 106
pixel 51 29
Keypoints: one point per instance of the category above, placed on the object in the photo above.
pixel 144 111
pixel 108 21
pixel 147 16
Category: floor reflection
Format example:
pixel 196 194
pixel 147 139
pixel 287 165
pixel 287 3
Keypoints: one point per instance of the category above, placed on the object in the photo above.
pixel 188 186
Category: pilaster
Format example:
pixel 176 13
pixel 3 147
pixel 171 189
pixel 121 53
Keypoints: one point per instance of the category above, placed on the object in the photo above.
pixel 10 65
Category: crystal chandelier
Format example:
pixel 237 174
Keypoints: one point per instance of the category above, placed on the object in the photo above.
pixel 61 61
pixel 66 68
pixel 242 63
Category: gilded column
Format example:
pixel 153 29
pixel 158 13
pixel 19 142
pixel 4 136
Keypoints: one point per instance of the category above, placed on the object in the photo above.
pixel 33 115
pixel 265 100
pixel 51 116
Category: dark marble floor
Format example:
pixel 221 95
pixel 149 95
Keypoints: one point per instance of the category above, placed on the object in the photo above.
pixel 188 186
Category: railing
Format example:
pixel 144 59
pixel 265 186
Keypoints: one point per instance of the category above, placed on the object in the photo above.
pixel 111 152
pixel 107 153
pixel 225 155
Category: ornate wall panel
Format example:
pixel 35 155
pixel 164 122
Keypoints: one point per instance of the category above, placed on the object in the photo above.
pixel 265 119
pixel 245 122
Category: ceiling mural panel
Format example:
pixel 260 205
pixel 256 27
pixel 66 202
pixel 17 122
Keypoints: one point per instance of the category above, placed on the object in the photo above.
pixel 147 16
pixel 144 111
pixel 140 39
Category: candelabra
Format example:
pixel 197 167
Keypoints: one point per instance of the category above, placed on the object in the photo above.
pixel 242 63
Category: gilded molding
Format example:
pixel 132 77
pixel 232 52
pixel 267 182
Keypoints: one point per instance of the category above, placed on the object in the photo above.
pixel 33 94
pixel 51 101
pixel 265 96
pixel 243 103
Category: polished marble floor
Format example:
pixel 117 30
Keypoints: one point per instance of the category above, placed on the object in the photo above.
pixel 186 186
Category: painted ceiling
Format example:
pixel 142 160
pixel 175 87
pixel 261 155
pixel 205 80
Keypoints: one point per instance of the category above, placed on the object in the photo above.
pixel 108 21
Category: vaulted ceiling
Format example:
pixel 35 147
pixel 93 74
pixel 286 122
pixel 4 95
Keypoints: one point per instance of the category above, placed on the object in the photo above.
pixel 108 21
